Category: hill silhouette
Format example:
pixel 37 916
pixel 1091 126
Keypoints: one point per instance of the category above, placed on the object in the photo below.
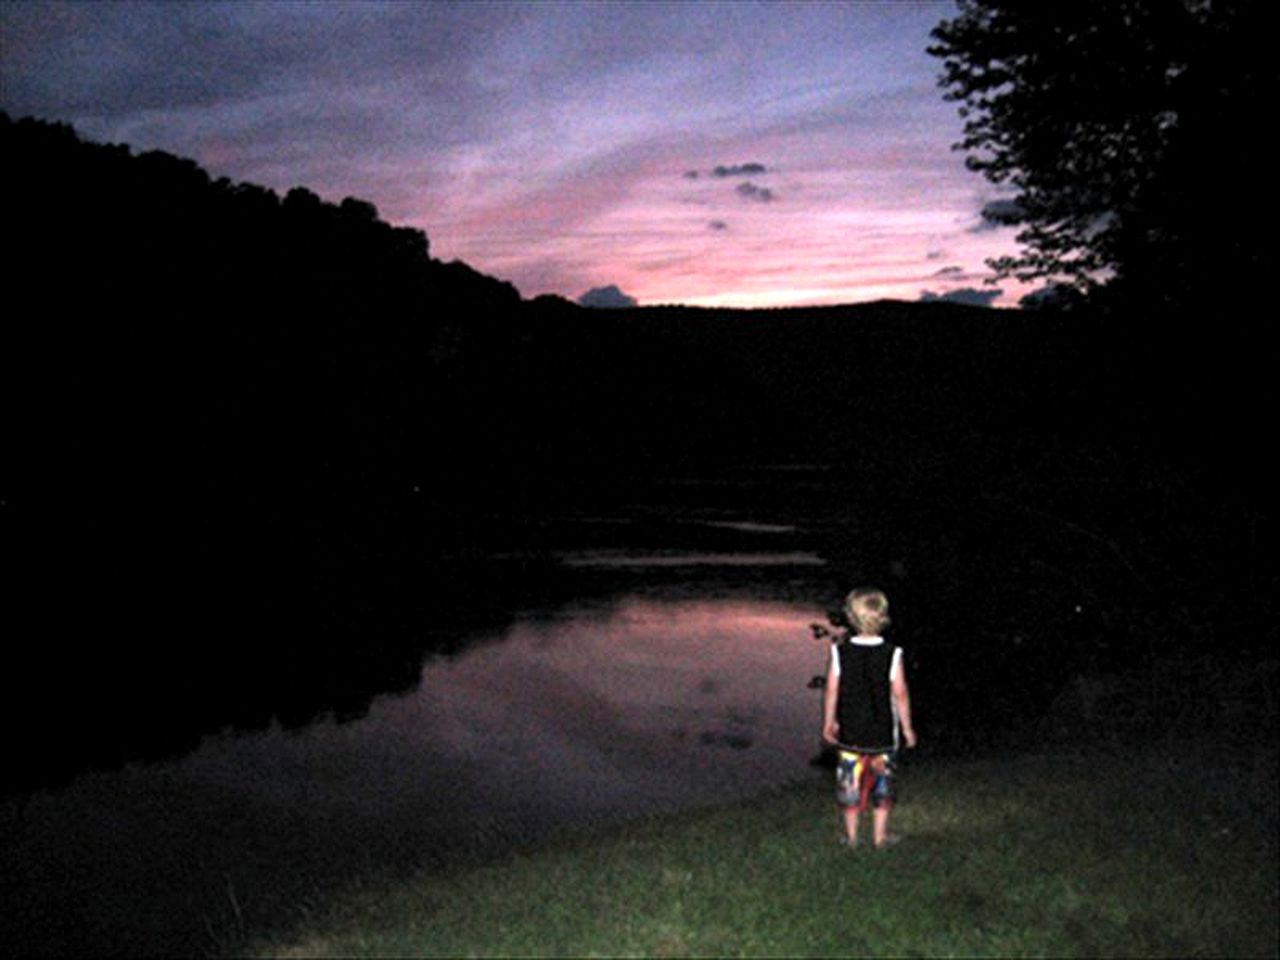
pixel 246 428
pixel 222 403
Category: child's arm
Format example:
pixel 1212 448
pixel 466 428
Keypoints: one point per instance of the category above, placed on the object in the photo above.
pixel 902 700
pixel 830 728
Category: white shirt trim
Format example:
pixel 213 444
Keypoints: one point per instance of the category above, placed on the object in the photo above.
pixel 895 665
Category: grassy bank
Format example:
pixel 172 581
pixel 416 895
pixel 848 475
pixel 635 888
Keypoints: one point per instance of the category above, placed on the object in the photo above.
pixel 1165 853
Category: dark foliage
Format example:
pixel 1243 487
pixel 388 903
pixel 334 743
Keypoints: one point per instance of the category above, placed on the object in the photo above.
pixel 1131 133
pixel 235 419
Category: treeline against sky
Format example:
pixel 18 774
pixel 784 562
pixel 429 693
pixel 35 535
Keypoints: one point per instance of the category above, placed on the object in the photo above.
pixel 260 445
pixel 224 409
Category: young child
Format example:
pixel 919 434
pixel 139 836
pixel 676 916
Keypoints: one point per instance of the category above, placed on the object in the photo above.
pixel 866 707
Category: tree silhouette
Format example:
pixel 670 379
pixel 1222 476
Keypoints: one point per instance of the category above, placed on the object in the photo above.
pixel 1130 131
pixel 229 401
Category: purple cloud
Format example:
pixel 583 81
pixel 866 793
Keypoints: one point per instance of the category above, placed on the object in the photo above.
pixel 606 298
pixel 749 191
pixel 966 295
pixel 1000 213
pixel 740 170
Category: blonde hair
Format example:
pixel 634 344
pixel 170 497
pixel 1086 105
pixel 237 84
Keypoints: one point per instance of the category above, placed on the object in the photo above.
pixel 867 609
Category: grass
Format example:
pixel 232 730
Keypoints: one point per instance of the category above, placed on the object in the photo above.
pixel 1156 855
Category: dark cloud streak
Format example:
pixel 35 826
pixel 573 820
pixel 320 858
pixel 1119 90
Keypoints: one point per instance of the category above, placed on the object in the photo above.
pixel 999 213
pixel 740 170
pixel 749 191
pixel 967 295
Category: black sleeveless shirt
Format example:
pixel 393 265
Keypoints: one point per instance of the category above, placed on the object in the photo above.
pixel 864 707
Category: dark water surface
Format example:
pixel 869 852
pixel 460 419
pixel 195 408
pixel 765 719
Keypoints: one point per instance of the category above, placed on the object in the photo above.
pixel 629 650
pixel 676 678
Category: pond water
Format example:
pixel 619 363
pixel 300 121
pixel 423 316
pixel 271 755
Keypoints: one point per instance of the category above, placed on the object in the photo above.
pixel 683 683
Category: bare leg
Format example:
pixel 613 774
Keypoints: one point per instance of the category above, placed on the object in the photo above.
pixel 850 825
pixel 880 825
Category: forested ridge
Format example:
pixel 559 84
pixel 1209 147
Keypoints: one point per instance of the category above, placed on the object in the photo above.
pixel 244 426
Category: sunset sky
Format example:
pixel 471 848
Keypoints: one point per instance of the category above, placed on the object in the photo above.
pixel 735 154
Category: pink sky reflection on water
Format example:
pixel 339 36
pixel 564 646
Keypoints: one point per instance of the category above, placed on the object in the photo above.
pixel 650 703
pixel 569 720
pixel 566 720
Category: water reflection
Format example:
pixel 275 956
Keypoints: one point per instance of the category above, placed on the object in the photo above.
pixel 571 716
pixel 588 713
pixel 624 558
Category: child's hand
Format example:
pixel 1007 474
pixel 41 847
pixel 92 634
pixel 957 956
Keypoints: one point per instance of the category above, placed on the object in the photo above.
pixel 909 734
pixel 831 732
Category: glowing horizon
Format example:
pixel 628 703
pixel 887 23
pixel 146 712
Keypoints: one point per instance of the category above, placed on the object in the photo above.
pixel 713 154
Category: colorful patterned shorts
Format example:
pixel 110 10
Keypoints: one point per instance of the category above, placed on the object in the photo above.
pixel 864 779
